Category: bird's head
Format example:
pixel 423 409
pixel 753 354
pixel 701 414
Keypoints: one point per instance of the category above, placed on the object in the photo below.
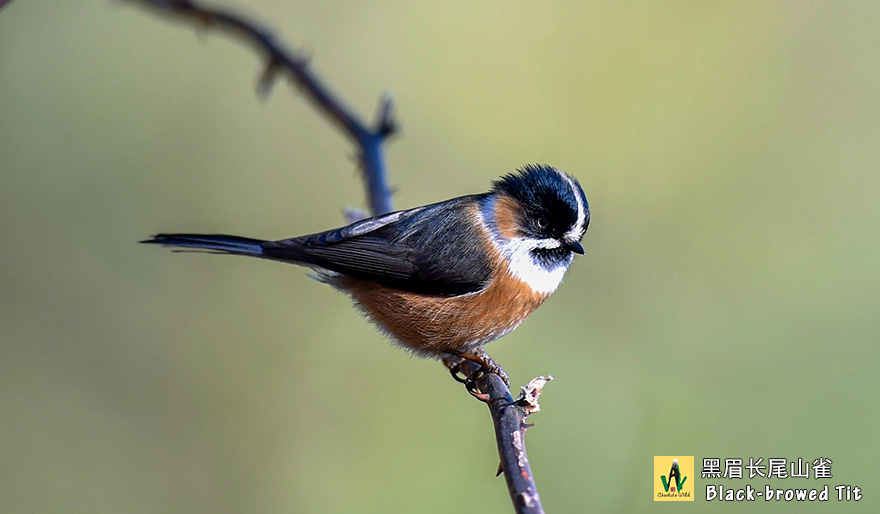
pixel 543 204
pixel 539 213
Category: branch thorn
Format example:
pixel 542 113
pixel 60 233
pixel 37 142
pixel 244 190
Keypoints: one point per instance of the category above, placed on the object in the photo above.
pixel 267 78
pixel 386 124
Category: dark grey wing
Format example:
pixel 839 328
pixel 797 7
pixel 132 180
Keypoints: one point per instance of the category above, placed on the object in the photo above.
pixel 434 249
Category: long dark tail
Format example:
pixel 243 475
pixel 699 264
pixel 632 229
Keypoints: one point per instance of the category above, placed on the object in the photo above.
pixel 211 243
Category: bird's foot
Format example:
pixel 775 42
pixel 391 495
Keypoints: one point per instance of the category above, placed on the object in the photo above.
pixel 453 364
pixel 478 356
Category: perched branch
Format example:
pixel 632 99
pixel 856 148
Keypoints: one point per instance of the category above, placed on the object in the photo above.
pixel 368 138
pixel 509 418
pixel 508 415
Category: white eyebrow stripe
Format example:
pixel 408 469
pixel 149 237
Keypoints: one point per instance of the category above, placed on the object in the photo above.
pixel 578 229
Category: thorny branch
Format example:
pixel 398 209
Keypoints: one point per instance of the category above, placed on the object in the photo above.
pixel 509 418
pixel 508 414
pixel 279 60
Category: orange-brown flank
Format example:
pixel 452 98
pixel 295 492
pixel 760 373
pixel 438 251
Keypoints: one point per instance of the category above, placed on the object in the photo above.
pixel 432 324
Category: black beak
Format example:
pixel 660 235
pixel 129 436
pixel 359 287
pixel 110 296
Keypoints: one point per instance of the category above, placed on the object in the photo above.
pixel 574 247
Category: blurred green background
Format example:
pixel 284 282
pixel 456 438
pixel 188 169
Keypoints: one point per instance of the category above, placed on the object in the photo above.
pixel 726 307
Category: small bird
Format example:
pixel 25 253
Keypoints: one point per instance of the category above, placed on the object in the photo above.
pixel 445 278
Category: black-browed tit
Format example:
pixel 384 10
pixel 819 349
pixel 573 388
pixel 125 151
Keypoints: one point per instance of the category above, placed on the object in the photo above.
pixel 444 278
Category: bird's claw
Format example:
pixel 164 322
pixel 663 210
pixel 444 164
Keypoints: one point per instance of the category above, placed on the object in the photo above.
pixel 478 356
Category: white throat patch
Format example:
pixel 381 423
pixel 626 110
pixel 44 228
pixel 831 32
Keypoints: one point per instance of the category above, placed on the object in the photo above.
pixel 522 264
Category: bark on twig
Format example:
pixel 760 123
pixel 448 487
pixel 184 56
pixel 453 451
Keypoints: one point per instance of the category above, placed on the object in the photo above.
pixel 508 414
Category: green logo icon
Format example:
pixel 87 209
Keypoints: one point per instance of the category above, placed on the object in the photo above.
pixel 673 472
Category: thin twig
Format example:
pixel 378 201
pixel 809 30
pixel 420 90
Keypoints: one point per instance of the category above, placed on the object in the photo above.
pixel 508 415
pixel 368 139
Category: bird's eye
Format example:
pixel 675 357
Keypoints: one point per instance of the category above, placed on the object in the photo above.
pixel 542 222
